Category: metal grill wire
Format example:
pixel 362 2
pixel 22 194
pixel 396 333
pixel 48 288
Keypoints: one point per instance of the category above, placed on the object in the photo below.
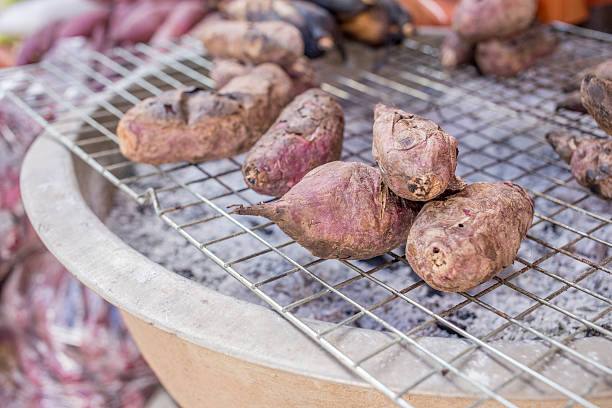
pixel 412 78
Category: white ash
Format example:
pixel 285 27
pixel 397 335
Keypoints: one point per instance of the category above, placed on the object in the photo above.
pixel 145 232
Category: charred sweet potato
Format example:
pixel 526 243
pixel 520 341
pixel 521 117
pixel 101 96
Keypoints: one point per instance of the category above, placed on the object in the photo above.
pixel 456 51
pixel 307 134
pixel 511 56
pixel 597 99
pixel 477 20
pixel 384 23
pixel 316 24
pixel 268 41
pixel 196 125
pixel 590 160
pixel 344 7
pixel 601 70
pixel 462 240
pixel 416 157
pixel 341 210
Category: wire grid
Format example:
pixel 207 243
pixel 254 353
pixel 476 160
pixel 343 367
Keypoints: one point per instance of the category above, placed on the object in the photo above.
pixel 460 101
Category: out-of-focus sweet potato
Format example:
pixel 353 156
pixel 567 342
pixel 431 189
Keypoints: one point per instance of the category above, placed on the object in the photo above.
pixel 477 20
pixel 196 125
pixel 511 56
pixel 601 70
pixel 267 41
pixel 384 23
pixel 456 51
pixel 572 101
pixel 590 160
pixel 344 7
pixel 597 99
pixel 416 157
pixel 307 134
pixel 462 240
pixel 341 210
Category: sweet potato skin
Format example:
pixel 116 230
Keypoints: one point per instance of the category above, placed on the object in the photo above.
pixel 601 70
pixel 596 96
pixel 590 160
pixel 509 57
pixel 267 41
pixel 416 157
pixel 456 51
pixel 477 20
pixel 341 210
pixel 195 125
pixel 461 241
pixel 307 134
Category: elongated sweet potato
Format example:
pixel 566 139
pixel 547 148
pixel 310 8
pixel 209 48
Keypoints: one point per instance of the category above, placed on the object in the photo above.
pixel 511 56
pixel 590 160
pixel 196 125
pixel 341 210
pixel 456 51
pixel 597 99
pixel 416 157
pixel 601 70
pixel 268 41
pixel 384 23
pixel 307 134
pixel 460 241
pixel 345 7
pixel 477 20
pixel 317 26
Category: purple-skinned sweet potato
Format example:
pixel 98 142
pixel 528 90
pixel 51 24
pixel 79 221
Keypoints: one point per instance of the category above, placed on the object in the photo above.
pixel 511 56
pixel 341 210
pixel 477 20
pixel 590 160
pixel 572 101
pixel 416 157
pixel 456 51
pixel 307 134
pixel 462 240
pixel 601 70
pixel 596 96
pixel 267 41
pixel 196 125
pixel 180 20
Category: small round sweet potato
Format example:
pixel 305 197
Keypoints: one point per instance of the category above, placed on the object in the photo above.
pixel 416 157
pixel 460 241
pixel 341 210
pixel 477 20
pixel 596 96
pixel 307 134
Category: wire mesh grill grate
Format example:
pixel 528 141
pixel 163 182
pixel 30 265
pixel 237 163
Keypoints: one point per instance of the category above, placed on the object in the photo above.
pixel 500 126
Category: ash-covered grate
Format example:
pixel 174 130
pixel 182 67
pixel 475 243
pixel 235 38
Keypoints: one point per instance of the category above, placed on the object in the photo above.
pixel 557 290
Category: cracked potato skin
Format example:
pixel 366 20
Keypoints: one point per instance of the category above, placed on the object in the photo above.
pixel 596 94
pixel 461 241
pixel 416 157
pixel 590 160
pixel 307 134
pixel 197 125
pixel 341 210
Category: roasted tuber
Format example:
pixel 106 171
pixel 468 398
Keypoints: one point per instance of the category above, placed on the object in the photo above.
pixel 511 56
pixel 601 70
pixel 456 51
pixel 572 101
pixel 268 41
pixel 462 240
pixel 416 157
pixel 344 7
pixel 477 20
pixel 196 125
pixel 341 210
pixel 590 160
pixel 307 134
pixel 597 99
pixel 384 23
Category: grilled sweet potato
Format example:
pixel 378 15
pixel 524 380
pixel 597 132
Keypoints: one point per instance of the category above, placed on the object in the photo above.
pixel 597 99
pixel 196 125
pixel 307 134
pixel 268 41
pixel 344 7
pixel 601 70
pixel 572 101
pixel 384 23
pixel 317 26
pixel 341 210
pixel 462 240
pixel 416 157
pixel 590 160
pixel 477 20
pixel 511 56
pixel 456 51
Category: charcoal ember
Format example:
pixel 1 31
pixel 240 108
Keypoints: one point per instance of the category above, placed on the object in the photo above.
pixel 72 347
